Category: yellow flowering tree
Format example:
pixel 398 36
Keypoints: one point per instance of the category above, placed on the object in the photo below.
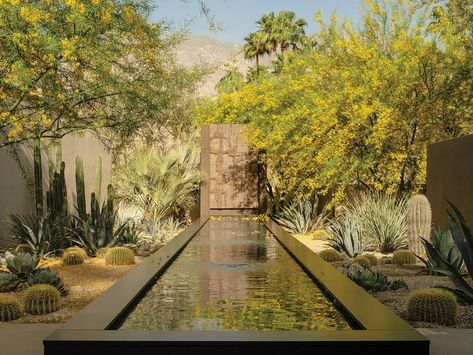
pixel 359 109
pixel 68 65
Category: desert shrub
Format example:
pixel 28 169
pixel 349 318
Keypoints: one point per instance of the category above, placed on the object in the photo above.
pixel 432 305
pixel 383 219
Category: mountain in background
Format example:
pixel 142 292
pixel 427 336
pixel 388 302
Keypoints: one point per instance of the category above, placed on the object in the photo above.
pixel 212 52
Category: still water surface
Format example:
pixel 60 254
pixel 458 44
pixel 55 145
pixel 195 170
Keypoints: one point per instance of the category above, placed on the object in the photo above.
pixel 234 275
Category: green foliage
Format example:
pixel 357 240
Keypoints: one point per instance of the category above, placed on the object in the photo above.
pixel 22 265
pixel 402 257
pixel 232 81
pixel 135 92
pixel 72 258
pixel 162 230
pixel 119 256
pixel 9 309
pixel 42 299
pixel 432 305
pixel 383 219
pixel 8 281
pixel 301 216
pixel 129 234
pixel 462 235
pixel 419 221
pixel 47 276
pixel 331 255
pixel 363 261
pixel 347 236
pixel 375 281
pixel 158 183
pixel 372 259
pixel 443 243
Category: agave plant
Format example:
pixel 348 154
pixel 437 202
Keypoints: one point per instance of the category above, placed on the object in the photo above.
pixel 383 218
pixel 162 230
pixel 8 281
pixel 375 281
pixel 301 217
pixel 22 265
pixel 443 243
pixel 129 234
pixel 462 235
pixel 47 276
pixel 347 235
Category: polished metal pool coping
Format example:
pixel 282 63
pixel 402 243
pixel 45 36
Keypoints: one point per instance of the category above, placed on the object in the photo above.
pixel 93 329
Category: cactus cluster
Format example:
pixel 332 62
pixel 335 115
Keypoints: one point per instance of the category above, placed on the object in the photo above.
pixel 72 258
pixel 432 305
pixel 42 299
pixel 9 309
pixel 402 257
pixel 102 252
pixel 372 259
pixel 119 256
pixel 76 249
pixel 331 255
pixel 23 249
pixel 419 222
pixel 363 261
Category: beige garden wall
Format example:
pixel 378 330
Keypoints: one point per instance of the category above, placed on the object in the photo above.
pixel 15 197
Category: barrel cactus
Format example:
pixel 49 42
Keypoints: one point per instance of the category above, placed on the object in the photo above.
pixel 78 250
pixel 23 249
pixel 72 258
pixel 101 253
pixel 42 299
pixel 372 259
pixel 402 257
pixel 363 261
pixel 120 256
pixel 419 222
pixel 48 276
pixel 331 255
pixel 9 309
pixel 432 305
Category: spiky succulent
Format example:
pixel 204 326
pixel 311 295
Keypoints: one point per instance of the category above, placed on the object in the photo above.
pixel 8 281
pixel 48 276
pixel 347 236
pixel 301 217
pixel 9 308
pixel 42 299
pixel 77 250
pixel 432 305
pixel 22 265
pixel 375 281
pixel 72 258
pixel 120 256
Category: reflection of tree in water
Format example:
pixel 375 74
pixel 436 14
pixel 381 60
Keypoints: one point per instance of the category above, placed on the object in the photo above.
pixel 234 276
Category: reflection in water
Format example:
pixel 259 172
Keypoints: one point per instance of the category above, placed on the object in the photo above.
pixel 234 275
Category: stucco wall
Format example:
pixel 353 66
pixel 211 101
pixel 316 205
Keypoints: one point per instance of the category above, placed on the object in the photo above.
pixel 450 175
pixel 16 198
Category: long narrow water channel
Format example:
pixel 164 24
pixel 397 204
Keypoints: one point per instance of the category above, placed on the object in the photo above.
pixel 234 275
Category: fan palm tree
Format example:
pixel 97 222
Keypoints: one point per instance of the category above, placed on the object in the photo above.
pixel 289 31
pixel 232 81
pixel 255 47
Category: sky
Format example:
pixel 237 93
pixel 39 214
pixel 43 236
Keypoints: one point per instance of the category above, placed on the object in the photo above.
pixel 238 17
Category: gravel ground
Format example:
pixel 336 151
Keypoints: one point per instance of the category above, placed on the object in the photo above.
pixel 85 282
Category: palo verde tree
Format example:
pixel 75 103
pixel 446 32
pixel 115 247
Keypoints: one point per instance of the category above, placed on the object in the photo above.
pixel 73 65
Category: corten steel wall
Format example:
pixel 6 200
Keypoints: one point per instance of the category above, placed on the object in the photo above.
pixel 14 194
pixel 230 171
pixel 450 175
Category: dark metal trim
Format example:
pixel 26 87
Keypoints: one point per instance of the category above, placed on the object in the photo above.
pixel 88 332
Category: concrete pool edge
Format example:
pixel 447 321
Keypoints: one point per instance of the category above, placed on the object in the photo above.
pixel 90 330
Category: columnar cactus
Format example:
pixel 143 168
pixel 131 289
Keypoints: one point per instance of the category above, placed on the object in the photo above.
pixel 432 305
pixel 120 256
pixel 42 299
pixel 331 255
pixel 419 222
pixel 72 258
pixel 9 309
pixel 402 257
pixel 80 189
